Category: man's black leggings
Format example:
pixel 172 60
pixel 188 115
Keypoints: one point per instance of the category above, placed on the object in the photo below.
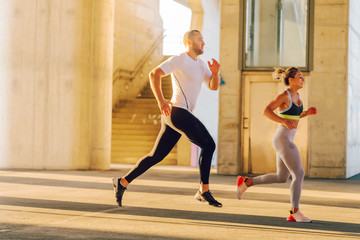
pixel 185 122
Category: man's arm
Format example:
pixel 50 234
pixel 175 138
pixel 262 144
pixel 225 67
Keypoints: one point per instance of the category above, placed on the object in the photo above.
pixel 214 82
pixel 155 83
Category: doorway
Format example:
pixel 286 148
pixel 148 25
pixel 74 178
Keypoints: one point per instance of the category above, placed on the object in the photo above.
pixel 259 157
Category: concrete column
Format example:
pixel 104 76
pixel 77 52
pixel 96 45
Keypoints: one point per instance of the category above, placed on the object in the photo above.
pixel 328 91
pixel 229 151
pixel 197 16
pixel 101 81
pixel 353 106
pixel 56 70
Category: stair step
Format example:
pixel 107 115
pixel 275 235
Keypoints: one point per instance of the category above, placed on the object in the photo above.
pixel 131 143
pixel 136 120
pixel 132 160
pixel 131 129
pixel 135 132
pixel 140 118
pixel 146 123
pixel 164 90
pixel 137 102
pixel 135 126
pixel 136 115
pixel 144 127
pixel 136 155
pixel 141 101
pixel 132 149
pixel 130 146
pixel 144 110
pixel 134 137
pixel 134 103
pixel 166 87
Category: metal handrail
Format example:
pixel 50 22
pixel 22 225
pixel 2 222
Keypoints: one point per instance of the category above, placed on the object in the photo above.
pixel 124 73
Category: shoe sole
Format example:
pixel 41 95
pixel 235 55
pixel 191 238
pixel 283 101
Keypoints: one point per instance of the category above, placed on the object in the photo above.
pixel 238 193
pixel 114 184
pixel 292 219
pixel 199 198
pixel 114 181
pixel 240 181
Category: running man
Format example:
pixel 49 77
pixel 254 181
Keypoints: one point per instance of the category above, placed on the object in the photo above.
pixel 288 159
pixel 188 72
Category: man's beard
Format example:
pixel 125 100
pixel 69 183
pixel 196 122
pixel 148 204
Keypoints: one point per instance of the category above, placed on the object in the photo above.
pixel 199 51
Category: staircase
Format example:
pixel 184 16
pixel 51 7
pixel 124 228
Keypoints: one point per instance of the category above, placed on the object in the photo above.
pixel 135 126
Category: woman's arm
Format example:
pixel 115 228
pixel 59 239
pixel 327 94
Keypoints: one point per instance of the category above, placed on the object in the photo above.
pixel 310 111
pixel 269 111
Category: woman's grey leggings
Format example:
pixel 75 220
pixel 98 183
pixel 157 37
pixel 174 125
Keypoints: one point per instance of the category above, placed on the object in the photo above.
pixel 288 162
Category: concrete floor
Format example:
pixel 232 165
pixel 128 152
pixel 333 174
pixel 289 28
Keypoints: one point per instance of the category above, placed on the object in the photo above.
pixel 160 205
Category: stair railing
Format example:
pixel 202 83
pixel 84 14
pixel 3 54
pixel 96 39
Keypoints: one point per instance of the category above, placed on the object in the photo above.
pixel 130 75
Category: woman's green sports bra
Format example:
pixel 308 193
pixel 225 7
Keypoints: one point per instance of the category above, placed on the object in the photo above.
pixel 292 112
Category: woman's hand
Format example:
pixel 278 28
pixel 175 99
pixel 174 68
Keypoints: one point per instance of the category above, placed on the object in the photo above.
pixel 290 124
pixel 165 107
pixel 312 111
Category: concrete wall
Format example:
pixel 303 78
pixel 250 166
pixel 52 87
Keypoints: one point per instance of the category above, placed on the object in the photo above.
pixel 333 134
pixel 55 80
pixel 328 90
pixel 353 106
pixel 138 26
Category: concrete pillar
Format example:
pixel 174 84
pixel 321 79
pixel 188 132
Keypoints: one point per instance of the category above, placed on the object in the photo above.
pixel 56 70
pixel 229 150
pixel 328 91
pixel 197 16
pixel 101 81
pixel 353 106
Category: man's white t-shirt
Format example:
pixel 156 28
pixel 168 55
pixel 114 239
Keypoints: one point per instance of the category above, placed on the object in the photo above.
pixel 187 76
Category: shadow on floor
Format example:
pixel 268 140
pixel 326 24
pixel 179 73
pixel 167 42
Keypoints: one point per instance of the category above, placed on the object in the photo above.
pixel 211 218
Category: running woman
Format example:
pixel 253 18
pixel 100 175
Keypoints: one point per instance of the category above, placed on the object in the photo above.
pixel 288 159
pixel 188 72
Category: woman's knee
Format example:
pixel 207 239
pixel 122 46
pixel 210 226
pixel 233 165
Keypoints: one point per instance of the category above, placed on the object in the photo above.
pixel 299 174
pixel 282 177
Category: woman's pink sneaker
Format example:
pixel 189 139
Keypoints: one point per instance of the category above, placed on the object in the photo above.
pixel 241 186
pixel 298 217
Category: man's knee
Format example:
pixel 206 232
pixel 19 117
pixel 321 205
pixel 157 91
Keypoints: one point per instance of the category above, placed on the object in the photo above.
pixel 211 146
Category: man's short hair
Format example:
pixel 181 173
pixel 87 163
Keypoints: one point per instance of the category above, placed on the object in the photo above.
pixel 189 35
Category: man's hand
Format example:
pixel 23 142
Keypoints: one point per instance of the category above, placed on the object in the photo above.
pixel 165 107
pixel 214 67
